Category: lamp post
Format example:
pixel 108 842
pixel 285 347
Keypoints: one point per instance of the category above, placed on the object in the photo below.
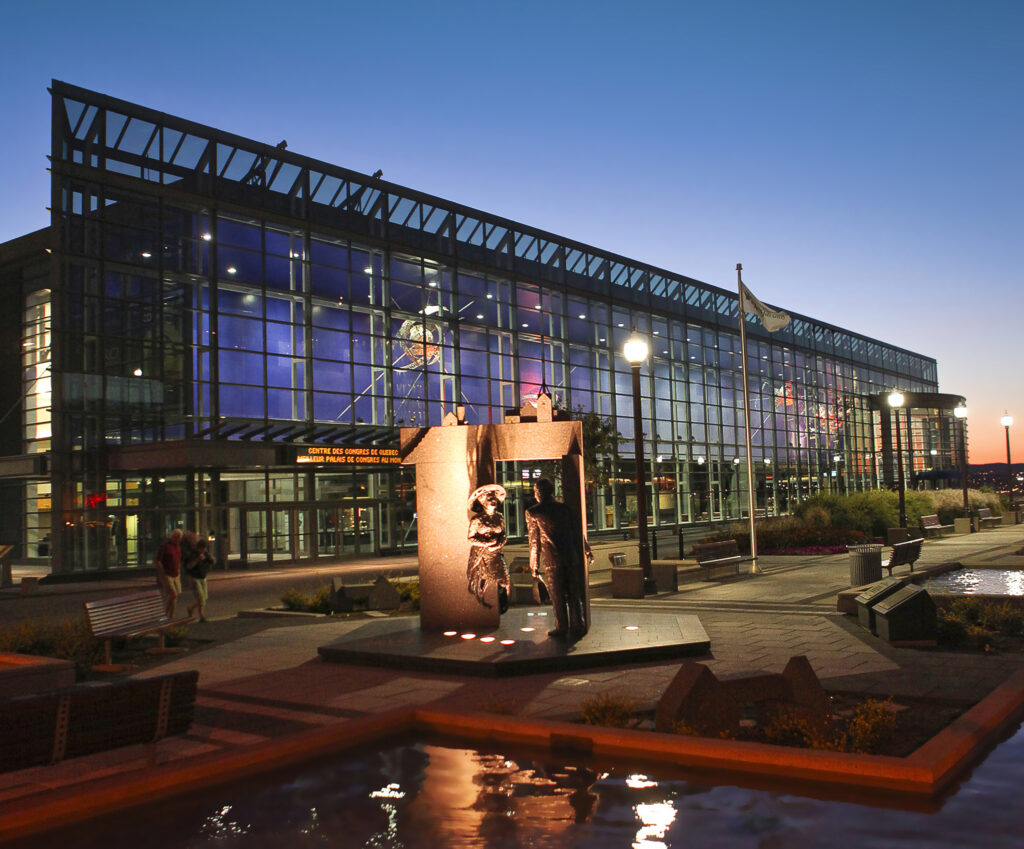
pixel 1006 421
pixel 896 402
pixel 961 415
pixel 635 351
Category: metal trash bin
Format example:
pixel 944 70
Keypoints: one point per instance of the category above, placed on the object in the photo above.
pixel 865 564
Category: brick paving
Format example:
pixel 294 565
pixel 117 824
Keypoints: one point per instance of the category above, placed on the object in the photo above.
pixel 262 679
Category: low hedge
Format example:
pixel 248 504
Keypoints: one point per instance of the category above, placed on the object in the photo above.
pixel 70 639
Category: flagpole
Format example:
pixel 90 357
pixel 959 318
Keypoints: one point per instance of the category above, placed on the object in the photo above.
pixel 746 420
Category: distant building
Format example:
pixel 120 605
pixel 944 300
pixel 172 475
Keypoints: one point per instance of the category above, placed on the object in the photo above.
pixel 225 335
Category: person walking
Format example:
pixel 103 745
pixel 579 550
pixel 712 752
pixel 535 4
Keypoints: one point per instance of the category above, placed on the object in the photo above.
pixel 168 569
pixel 197 567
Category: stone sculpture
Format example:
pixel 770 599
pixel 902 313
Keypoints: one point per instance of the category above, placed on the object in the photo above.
pixel 487 535
pixel 557 560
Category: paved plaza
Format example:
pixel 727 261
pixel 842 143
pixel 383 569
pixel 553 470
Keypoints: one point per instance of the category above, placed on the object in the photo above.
pixel 262 679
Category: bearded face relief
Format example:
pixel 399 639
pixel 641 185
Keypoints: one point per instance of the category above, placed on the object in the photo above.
pixel 487 534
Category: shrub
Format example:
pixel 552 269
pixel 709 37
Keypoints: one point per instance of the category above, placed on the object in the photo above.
pixel 610 711
pixel 977 622
pixel 790 533
pixel 871 727
pixel 787 727
pixel 817 516
pixel 175 636
pixel 951 631
pixel 1003 618
pixel 408 592
pixel 68 640
pixel 317 601
pixel 684 729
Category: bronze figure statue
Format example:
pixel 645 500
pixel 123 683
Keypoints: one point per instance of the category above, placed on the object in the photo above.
pixel 487 533
pixel 557 559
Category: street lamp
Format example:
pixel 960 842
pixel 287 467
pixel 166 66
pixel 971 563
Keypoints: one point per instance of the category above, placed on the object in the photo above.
pixel 1006 421
pixel 961 415
pixel 896 401
pixel 635 351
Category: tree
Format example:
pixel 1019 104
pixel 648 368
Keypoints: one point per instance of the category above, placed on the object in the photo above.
pixel 600 445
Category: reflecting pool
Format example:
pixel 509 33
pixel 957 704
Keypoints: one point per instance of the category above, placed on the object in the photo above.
pixel 978 582
pixel 441 795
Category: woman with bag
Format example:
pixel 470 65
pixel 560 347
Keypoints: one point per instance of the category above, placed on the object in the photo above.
pixel 197 567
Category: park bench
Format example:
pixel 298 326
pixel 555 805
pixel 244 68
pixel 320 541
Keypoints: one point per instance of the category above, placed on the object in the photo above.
pixel 45 728
pixel 904 554
pixel 930 524
pixel 130 616
pixel 718 559
pixel 985 518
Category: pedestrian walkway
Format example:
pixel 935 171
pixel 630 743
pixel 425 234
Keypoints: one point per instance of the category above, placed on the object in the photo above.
pixel 261 679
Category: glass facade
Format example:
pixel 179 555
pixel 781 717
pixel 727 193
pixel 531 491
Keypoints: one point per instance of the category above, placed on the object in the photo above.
pixel 210 289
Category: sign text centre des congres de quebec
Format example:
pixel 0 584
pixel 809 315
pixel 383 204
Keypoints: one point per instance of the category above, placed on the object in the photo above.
pixel 348 455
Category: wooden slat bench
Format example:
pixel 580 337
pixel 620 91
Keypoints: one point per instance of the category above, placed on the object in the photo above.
pixel 130 616
pixel 904 554
pixel 719 559
pixel 986 519
pixel 930 524
pixel 49 727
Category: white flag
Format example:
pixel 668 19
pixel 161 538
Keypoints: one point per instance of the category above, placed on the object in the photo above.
pixel 772 320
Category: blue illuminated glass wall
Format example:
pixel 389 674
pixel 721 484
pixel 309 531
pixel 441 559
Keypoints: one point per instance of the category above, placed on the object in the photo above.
pixel 211 288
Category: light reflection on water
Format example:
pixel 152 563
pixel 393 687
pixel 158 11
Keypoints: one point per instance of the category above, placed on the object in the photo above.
pixel 423 795
pixel 978 582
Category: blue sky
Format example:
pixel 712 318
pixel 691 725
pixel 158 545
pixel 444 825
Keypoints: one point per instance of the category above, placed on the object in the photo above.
pixel 861 159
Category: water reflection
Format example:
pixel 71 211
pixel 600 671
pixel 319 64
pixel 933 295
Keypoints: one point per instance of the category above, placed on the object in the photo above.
pixel 427 795
pixel 656 818
pixel 473 798
pixel 978 582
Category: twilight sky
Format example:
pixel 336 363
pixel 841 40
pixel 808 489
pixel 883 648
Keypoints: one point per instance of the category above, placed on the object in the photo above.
pixel 861 158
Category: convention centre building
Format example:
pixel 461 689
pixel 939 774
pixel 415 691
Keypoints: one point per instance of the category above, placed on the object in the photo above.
pixel 221 334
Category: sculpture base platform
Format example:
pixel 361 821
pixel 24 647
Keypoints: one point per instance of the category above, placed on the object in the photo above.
pixel 614 638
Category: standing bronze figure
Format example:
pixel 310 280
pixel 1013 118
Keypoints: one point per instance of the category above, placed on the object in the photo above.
pixel 556 559
pixel 487 533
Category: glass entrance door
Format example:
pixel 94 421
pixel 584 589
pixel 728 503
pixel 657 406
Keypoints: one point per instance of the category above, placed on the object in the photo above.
pixel 358 528
pixel 328 537
pixel 281 538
